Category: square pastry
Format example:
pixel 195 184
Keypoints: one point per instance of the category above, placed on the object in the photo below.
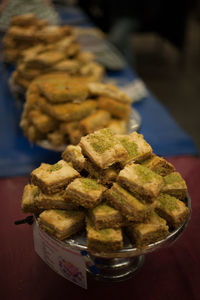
pixel 103 148
pixel 172 209
pixel 64 89
pixel 61 223
pixel 143 234
pixel 51 178
pixel 141 181
pixel 175 185
pixel 54 201
pixel 136 146
pixel 105 216
pixel 74 155
pixel 159 165
pixel 128 205
pixel 103 240
pixel 29 197
pixel 85 192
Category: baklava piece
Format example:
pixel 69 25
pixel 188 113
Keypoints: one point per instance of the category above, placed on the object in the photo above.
pixel 175 185
pixel 127 204
pixel 54 201
pixel 64 90
pixel 56 138
pixel 95 121
pixel 108 90
pixel 72 130
pixel 114 107
pixel 172 209
pixel 103 240
pixel 159 165
pixel 103 148
pixel 118 126
pixel 45 59
pixel 136 146
pixel 61 224
pixel 52 178
pixel 152 231
pixel 85 192
pixel 74 155
pixel 141 181
pixel 29 198
pixel 67 112
pixel 105 216
pixel 41 121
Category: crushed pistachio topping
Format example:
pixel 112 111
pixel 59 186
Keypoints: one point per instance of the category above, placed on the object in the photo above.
pixel 36 191
pixel 102 141
pixel 144 173
pixel 125 197
pixel 103 208
pixel 130 146
pixel 105 234
pixel 168 202
pixel 117 196
pixel 172 178
pixel 55 167
pixel 89 184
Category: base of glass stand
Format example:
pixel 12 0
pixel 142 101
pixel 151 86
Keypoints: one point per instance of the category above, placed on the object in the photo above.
pixel 117 269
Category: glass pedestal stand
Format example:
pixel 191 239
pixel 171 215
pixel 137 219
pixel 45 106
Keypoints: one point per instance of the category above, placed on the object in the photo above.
pixel 117 269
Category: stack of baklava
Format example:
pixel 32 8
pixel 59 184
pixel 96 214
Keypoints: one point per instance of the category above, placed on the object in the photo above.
pixel 20 36
pixel 108 184
pixel 61 109
pixel 38 48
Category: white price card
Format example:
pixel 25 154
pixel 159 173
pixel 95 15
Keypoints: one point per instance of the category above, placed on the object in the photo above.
pixel 67 262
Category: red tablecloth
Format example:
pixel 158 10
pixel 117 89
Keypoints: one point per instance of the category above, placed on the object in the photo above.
pixel 169 273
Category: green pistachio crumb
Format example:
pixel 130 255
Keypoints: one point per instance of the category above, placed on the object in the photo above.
pixel 130 146
pixel 55 167
pixel 172 178
pixel 35 192
pixel 89 184
pixel 144 173
pixel 102 141
pixel 168 202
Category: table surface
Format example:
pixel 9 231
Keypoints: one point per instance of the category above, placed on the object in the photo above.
pixel 168 273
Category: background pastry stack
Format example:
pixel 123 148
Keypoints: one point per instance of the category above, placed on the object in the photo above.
pixel 62 109
pixel 38 48
pixel 108 184
pixel 20 36
pixel 57 51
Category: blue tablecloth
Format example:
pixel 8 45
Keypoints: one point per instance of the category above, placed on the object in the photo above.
pixel 18 157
